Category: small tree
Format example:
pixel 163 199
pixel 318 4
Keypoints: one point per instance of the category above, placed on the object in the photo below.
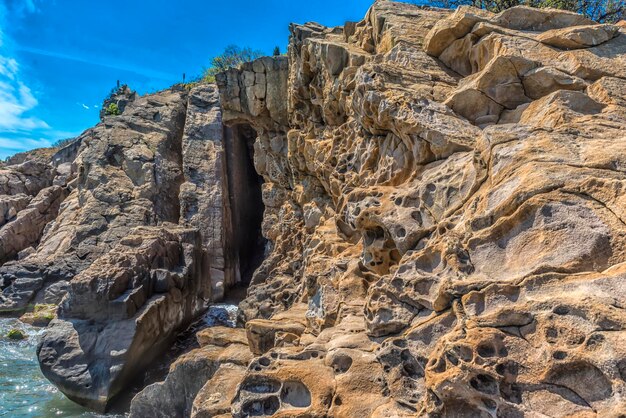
pixel 232 57
pixel 112 109
pixel 276 51
pixel 603 11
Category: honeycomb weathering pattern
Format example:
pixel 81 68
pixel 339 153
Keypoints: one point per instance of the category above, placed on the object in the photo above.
pixel 446 210
pixel 445 213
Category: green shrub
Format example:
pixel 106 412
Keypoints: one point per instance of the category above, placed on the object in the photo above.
pixel 46 311
pixel 232 57
pixel 63 142
pixel 112 109
pixel 15 334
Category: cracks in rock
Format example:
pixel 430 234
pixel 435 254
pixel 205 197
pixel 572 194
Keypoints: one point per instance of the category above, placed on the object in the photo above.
pixel 587 196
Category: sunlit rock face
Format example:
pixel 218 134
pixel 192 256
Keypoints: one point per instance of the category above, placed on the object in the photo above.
pixel 445 208
pixel 126 228
pixel 437 198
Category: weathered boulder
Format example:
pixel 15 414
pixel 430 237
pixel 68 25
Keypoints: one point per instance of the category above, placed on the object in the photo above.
pixel 539 19
pixel 216 396
pixel 123 311
pixel 579 36
pixel 196 379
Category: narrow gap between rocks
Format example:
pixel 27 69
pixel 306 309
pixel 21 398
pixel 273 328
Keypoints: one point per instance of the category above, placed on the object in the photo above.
pixel 245 249
pixel 246 203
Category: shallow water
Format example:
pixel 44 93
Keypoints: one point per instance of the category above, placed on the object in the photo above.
pixel 24 392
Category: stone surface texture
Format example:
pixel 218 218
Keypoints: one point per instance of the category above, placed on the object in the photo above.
pixel 125 229
pixel 445 214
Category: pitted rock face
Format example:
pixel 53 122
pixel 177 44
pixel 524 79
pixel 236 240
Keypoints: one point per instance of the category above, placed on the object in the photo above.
pixel 453 182
pixel 443 204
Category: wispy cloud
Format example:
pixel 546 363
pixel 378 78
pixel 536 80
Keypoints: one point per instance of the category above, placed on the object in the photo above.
pixel 143 71
pixel 17 101
pixel 22 143
pixel 83 105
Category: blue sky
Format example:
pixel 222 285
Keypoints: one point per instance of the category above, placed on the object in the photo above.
pixel 60 58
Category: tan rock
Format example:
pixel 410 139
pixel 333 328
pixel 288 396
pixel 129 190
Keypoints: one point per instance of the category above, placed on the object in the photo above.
pixel 446 31
pixel 262 334
pixel 560 107
pixel 539 19
pixel 216 396
pixel 609 91
pixel 542 81
pixel 579 36
pixel 192 377
pixel 221 336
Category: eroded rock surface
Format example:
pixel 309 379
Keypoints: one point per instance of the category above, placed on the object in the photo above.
pixel 126 228
pixel 444 210
pixel 443 204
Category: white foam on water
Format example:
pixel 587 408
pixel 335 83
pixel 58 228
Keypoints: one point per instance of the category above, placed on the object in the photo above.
pixel 24 391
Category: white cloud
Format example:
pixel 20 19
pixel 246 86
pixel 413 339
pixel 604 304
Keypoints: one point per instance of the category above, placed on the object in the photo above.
pixel 83 105
pixel 23 143
pixel 16 98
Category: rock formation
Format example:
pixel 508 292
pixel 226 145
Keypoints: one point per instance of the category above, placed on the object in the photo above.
pixel 437 198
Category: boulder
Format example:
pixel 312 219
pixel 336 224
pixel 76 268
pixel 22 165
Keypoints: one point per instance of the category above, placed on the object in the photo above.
pixel 120 303
pixel 579 36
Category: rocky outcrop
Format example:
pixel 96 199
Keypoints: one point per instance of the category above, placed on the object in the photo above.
pixel 25 230
pixel 28 178
pixel 202 382
pixel 447 185
pixel 205 188
pixel 117 101
pixel 127 175
pixel 440 199
pixel 11 205
pixel 123 311
pixel 144 232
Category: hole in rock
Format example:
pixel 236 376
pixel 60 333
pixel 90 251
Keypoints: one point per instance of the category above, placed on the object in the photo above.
pixel 247 246
pixel 259 408
pixel 485 384
pixel 296 394
pixel 260 384
pixel 341 363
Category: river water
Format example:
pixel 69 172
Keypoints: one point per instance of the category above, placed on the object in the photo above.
pixel 24 392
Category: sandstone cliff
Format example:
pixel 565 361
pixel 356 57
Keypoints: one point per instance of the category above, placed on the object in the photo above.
pixel 437 198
